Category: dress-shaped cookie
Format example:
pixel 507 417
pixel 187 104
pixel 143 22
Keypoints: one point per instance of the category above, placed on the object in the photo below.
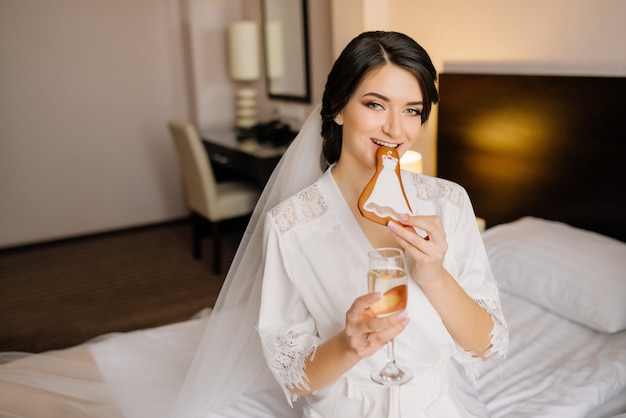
pixel 383 198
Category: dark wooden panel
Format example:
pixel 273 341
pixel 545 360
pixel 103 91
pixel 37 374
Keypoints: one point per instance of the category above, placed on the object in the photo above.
pixel 228 163
pixel 546 146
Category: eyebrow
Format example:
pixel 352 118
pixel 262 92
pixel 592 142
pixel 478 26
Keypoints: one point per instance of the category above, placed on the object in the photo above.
pixel 385 98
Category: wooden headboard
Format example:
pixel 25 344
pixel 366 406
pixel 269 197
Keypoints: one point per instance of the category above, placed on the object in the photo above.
pixel 547 146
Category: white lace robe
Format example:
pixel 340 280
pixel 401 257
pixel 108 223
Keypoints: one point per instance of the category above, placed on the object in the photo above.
pixel 316 265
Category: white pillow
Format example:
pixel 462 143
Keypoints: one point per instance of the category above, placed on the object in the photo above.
pixel 578 274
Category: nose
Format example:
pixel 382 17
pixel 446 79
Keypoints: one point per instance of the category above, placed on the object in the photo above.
pixel 392 125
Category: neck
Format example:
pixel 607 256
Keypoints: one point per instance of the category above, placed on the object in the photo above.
pixel 351 180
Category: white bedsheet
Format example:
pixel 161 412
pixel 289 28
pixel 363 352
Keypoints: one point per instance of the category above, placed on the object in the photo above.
pixel 555 368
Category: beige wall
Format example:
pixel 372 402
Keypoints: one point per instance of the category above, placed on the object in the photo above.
pixel 86 89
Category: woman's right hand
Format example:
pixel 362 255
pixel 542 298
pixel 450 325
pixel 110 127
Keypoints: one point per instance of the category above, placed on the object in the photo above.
pixel 366 333
pixel 363 335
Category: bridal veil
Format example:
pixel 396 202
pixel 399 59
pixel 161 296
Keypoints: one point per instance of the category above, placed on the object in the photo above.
pixel 229 361
pixel 197 368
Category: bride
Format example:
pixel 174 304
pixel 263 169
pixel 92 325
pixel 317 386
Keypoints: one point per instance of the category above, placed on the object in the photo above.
pixel 290 334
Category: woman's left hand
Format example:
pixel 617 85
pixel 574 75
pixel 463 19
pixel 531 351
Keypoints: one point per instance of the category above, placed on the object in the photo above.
pixel 427 248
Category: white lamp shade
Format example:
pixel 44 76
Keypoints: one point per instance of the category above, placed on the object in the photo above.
pixel 412 161
pixel 244 51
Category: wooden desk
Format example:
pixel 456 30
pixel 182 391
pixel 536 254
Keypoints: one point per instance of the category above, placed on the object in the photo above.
pixel 246 158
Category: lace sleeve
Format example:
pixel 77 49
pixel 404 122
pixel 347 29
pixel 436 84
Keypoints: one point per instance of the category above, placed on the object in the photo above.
pixel 499 338
pixel 285 353
pixel 476 278
pixel 288 331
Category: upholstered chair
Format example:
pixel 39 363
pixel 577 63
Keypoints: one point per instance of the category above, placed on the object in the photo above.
pixel 209 201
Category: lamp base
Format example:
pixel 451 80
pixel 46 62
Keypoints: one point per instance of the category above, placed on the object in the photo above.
pixel 246 112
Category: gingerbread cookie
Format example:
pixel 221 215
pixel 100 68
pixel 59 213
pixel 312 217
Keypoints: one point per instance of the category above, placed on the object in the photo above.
pixel 383 199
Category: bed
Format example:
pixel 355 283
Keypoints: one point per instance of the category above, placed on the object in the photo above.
pixel 543 160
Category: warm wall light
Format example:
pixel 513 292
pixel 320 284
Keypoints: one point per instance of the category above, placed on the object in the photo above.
pixel 244 59
pixel 412 161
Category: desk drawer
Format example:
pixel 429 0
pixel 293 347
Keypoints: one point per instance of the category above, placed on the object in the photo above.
pixel 229 158
pixel 257 169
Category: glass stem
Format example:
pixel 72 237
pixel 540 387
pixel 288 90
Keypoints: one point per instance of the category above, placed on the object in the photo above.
pixel 391 369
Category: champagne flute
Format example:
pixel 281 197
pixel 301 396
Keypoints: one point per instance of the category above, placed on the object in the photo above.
pixel 387 275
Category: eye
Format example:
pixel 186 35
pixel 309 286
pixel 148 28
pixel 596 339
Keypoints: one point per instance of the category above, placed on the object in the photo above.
pixel 374 105
pixel 414 112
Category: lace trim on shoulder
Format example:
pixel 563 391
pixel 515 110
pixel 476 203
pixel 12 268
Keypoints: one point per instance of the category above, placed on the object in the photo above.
pixel 302 207
pixel 433 188
pixel 286 352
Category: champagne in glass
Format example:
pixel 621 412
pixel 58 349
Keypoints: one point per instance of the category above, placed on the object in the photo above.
pixel 387 275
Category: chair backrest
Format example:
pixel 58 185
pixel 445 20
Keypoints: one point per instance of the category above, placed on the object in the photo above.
pixel 200 184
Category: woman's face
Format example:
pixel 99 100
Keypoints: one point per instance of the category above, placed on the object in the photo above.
pixel 384 109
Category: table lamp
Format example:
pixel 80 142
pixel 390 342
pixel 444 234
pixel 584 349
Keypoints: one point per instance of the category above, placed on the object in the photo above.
pixel 244 65
pixel 412 161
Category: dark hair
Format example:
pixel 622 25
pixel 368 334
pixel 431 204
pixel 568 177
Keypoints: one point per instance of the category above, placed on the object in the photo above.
pixel 368 51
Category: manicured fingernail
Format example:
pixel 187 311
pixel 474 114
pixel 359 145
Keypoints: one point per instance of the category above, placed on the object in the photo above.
pixel 392 225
